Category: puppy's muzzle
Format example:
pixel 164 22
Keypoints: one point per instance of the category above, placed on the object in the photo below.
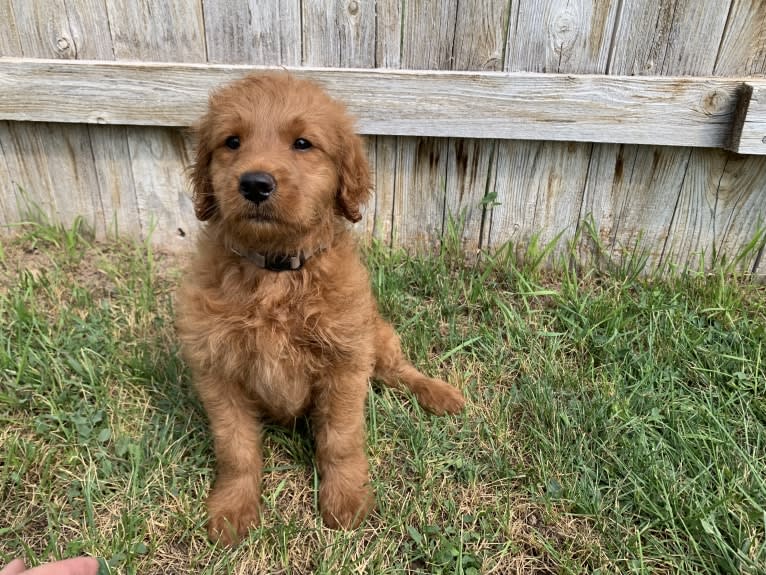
pixel 257 186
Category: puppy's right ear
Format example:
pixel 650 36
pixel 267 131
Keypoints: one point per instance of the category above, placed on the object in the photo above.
pixel 202 187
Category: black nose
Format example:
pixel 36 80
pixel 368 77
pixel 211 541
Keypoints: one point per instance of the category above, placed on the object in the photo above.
pixel 256 186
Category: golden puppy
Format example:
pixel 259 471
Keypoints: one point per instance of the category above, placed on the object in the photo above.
pixel 276 317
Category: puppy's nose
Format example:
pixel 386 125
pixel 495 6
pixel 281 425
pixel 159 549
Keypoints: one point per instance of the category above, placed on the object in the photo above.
pixel 257 186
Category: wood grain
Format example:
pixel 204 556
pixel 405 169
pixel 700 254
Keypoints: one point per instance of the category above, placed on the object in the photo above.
pixel 159 31
pixel 338 33
pixel 560 36
pixel 742 50
pixel 749 131
pixel 10 43
pixel 572 37
pixel 480 37
pixel 674 110
pixel 651 39
pixel 253 32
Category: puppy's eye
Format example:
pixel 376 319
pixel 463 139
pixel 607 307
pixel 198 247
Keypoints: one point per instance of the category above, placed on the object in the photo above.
pixel 232 142
pixel 302 144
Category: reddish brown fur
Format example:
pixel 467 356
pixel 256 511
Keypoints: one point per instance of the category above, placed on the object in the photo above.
pixel 279 345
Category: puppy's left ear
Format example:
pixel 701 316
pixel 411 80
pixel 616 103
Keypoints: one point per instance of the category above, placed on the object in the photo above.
pixel 354 187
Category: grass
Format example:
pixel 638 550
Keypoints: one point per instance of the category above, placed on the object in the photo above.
pixel 616 424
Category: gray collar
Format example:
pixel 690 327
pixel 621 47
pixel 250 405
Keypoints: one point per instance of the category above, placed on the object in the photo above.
pixel 277 262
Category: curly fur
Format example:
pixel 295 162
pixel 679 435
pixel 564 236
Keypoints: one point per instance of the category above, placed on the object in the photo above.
pixel 278 345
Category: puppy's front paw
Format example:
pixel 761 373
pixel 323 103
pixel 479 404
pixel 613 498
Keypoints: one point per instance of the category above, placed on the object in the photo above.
pixel 439 397
pixel 232 513
pixel 344 507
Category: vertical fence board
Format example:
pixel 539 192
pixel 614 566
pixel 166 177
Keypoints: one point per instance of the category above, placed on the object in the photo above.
pixel 650 38
pixel 420 198
pixel 162 198
pixel 421 167
pixel 10 43
pixel 566 37
pixel 388 54
pixel 48 31
pixel 540 187
pixel 339 33
pixel 668 38
pixel 88 27
pixel 743 47
pixel 388 33
pixel 706 202
pixel 172 31
pixel 43 29
pixel 9 203
pixel 385 186
pixel 253 32
pixel 25 155
pixel 480 36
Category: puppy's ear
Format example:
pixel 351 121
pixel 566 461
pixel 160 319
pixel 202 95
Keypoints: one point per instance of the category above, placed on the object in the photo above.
pixel 202 188
pixel 354 175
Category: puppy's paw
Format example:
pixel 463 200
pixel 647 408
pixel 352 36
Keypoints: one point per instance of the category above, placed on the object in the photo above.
pixel 345 508
pixel 439 397
pixel 231 515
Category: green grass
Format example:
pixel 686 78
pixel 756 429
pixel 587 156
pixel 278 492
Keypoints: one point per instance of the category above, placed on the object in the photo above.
pixel 615 424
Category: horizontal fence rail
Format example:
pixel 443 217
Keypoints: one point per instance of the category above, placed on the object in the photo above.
pixel 675 111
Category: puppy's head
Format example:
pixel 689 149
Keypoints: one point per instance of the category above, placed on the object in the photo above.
pixel 276 155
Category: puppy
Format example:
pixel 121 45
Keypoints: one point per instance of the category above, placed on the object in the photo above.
pixel 276 317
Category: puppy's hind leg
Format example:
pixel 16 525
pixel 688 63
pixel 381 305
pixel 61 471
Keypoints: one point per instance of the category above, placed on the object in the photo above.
pixel 394 370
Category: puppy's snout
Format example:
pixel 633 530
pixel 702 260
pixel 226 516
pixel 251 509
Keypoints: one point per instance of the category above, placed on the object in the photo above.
pixel 257 186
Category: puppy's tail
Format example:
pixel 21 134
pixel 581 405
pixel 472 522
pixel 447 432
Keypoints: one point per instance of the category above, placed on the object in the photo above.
pixel 394 370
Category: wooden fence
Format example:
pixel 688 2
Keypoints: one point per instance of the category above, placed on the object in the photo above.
pixel 529 117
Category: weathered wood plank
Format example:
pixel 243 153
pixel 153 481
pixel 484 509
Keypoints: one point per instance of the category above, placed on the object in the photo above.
pixel 158 31
pixel 87 26
pixel 722 206
pixel 742 50
pixel 168 31
pixel 672 110
pixel 668 38
pixel 630 195
pixel 43 29
pixel 421 168
pixel 480 37
pixel 385 187
pixel 51 168
pixel 421 178
pixel 538 194
pixel 749 131
pixel 9 203
pixel 703 204
pixel 163 197
pixel 253 32
pixel 388 54
pixel 651 38
pixel 560 36
pixel 568 36
pixel 428 34
pixel 10 43
pixel 388 34
pixel 339 33
pixel 111 155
